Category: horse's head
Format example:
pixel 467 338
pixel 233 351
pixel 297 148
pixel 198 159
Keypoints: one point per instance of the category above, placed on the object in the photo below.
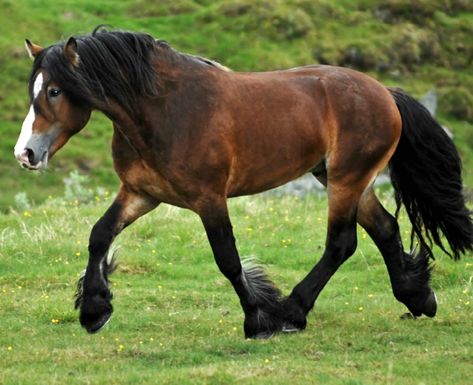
pixel 56 113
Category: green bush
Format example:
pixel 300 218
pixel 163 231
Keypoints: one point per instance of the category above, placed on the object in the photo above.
pixel 412 45
pixel 274 19
pixel 146 8
pixel 419 12
pixel 365 56
pixel 416 11
pixel 290 25
pixel 457 102
pixel 22 201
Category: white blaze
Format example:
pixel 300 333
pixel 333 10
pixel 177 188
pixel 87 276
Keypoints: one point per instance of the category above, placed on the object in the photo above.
pixel 38 84
pixel 27 127
pixel 26 132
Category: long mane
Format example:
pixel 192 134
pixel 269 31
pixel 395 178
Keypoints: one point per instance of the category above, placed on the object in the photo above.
pixel 113 66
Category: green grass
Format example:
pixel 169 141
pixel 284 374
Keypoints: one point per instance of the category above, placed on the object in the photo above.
pixel 177 320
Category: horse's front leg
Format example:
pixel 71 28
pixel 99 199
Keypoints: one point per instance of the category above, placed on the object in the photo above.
pixel 94 296
pixel 259 298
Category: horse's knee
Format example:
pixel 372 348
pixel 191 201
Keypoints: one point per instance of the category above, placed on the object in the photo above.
pixel 226 255
pixel 379 224
pixel 105 230
pixel 230 269
pixel 387 230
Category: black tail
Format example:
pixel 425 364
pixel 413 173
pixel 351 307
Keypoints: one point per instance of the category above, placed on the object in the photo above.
pixel 426 175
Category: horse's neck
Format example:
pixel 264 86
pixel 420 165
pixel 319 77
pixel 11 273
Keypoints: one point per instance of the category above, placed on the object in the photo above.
pixel 170 61
pixel 171 68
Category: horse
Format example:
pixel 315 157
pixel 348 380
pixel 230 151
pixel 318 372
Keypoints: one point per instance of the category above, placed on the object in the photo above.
pixel 192 133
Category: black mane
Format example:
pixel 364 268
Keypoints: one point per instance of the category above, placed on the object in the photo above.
pixel 113 65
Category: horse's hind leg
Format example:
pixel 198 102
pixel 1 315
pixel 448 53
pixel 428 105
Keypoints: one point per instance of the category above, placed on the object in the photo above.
pixel 409 274
pixel 340 245
pixel 259 298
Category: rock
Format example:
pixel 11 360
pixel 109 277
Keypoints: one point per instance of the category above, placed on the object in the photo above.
pixel 308 184
pixel 430 101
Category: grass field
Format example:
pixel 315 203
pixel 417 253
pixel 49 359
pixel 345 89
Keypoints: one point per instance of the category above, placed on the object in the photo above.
pixel 177 321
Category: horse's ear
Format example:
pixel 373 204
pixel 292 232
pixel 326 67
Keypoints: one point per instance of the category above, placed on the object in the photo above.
pixel 70 51
pixel 33 49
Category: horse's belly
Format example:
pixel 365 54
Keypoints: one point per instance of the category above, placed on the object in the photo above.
pixel 269 169
pixel 280 132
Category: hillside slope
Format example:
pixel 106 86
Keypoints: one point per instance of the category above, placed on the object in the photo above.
pixel 417 45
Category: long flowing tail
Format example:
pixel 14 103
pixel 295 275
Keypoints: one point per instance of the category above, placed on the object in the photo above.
pixel 426 175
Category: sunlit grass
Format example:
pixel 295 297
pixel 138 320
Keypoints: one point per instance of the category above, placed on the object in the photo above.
pixel 177 320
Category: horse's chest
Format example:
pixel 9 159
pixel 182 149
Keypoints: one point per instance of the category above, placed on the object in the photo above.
pixel 141 178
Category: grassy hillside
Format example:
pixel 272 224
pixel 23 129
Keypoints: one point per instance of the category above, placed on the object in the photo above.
pixel 417 45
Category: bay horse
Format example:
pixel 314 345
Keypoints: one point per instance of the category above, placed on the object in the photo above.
pixel 192 133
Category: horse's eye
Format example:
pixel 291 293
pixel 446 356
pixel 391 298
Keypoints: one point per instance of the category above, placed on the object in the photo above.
pixel 54 92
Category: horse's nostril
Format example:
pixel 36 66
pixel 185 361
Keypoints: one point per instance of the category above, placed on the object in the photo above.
pixel 30 154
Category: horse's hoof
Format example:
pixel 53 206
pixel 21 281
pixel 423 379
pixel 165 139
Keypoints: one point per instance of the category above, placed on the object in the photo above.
pixel 408 316
pixel 262 323
pixel 430 306
pixel 290 328
pixel 294 316
pixel 263 335
pixel 95 312
pixel 98 324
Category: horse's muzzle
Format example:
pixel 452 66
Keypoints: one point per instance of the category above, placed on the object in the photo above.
pixel 33 160
pixel 36 152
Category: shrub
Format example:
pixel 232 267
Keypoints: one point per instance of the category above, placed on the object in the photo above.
pixel 411 45
pixel 22 202
pixel 327 53
pixel 146 8
pixel 419 12
pixel 274 19
pixel 290 25
pixel 364 56
pixel 457 102
pixel 75 188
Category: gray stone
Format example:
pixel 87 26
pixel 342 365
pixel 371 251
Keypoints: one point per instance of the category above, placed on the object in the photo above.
pixel 430 101
pixel 308 184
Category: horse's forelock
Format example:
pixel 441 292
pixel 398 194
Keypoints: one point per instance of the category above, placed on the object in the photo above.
pixel 113 65
pixel 54 63
pixel 117 66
